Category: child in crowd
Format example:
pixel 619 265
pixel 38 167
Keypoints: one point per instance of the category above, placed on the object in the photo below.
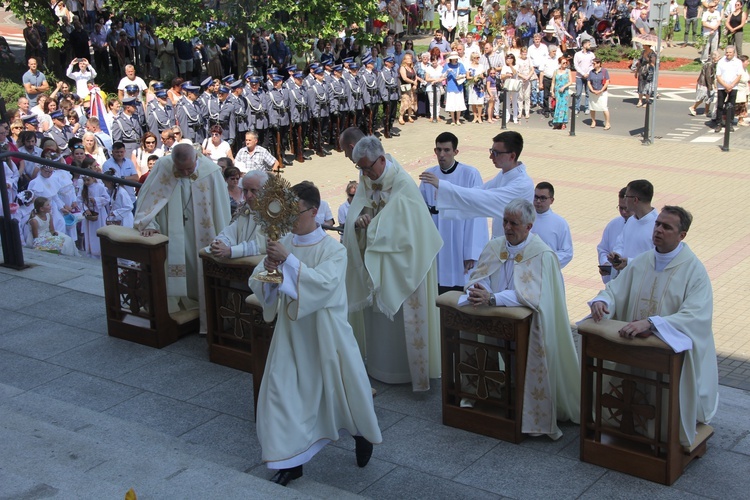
pixel 45 237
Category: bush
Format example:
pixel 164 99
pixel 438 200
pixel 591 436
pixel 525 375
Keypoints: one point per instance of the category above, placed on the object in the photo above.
pixel 11 91
pixel 615 53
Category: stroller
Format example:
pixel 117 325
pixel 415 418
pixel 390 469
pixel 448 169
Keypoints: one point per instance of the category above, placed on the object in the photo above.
pixel 604 33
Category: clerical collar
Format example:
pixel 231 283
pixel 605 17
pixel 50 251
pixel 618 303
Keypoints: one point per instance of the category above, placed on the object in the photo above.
pixel 515 249
pixel 310 238
pixel 662 260
pixel 451 169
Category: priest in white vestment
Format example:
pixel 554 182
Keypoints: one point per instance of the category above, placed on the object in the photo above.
pixel 391 275
pixel 519 269
pixel 184 198
pixel 489 200
pixel 243 237
pixel 314 385
pixel 666 292
pixel 463 240
pixel 551 227
pixel 609 237
pixel 636 235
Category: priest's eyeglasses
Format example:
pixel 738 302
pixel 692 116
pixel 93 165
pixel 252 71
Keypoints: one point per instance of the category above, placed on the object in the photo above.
pixel 367 168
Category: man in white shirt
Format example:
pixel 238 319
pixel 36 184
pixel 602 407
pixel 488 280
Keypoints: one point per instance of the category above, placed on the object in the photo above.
pixel 636 235
pixel 549 226
pixel 463 240
pixel 131 79
pixel 538 53
pixel 711 21
pixel 489 200
pixel 609 237
pixel 548 71
pixel 584 63
pixel 728 72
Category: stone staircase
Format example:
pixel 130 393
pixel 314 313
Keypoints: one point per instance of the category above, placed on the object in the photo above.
pixel 66 435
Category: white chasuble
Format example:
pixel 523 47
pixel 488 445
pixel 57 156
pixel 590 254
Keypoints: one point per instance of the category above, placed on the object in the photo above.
pixel 679 297
pixel 552 390
pixel 314 385
pixel 191 212
pixel 391 279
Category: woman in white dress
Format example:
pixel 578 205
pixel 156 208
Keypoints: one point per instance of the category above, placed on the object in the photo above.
pixel 475 81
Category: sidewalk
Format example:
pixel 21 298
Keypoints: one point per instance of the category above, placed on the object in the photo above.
pixel 83 415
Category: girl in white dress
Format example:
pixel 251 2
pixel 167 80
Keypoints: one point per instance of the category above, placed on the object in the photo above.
pixel 94 198
pixel 43 231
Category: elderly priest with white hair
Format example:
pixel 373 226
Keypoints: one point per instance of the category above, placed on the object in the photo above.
pixel 184 198
pixel 391 275
pixel 519 269
pixel 666 292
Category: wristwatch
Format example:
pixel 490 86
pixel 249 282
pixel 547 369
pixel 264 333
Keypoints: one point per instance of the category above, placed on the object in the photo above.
pixel 493 301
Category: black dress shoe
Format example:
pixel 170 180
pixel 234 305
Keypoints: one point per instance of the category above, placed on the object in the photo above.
pixel 363 450
pixel 307 157
pixel 284 476
pixel 288 163
pixel 395 134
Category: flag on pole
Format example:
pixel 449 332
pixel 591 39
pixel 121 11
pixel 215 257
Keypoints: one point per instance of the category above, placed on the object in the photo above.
pixel 97 108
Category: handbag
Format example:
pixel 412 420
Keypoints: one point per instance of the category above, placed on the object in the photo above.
pixel 512 85
pixel 405 87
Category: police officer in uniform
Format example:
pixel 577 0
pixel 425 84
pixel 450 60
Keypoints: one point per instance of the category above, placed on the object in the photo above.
pixel 209 88
pixel 371 93
pixel 31 124
pixel 318 98
pixel 339 107
pixel 389 92
pixel 257 103
pixel 299 116
pixel 60 132
pixel 239 101
pixel 127 127
pixel 160 115
pixel 190 116
pixel 278 119
pixel 355 98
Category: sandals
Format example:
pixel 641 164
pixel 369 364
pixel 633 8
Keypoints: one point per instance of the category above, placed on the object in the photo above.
pixel 607 127
pixel 639 105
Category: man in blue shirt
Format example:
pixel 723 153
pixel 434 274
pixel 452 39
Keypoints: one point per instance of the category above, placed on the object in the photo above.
pixel 34 82
pixel 123 167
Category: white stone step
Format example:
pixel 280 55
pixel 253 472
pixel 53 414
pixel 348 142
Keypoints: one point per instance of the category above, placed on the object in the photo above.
pixel 52 448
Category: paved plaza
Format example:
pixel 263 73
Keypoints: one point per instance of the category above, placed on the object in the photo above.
pixel 83 415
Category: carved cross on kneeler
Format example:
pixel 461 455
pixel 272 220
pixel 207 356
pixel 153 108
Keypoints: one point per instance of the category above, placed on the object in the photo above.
pixel 626 403
pixel 482 374
pixel 235 314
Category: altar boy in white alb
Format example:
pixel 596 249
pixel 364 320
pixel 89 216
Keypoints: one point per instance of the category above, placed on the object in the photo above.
pixel 463 239
pixel 666 292
pixel 314 385
pixel 551 228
